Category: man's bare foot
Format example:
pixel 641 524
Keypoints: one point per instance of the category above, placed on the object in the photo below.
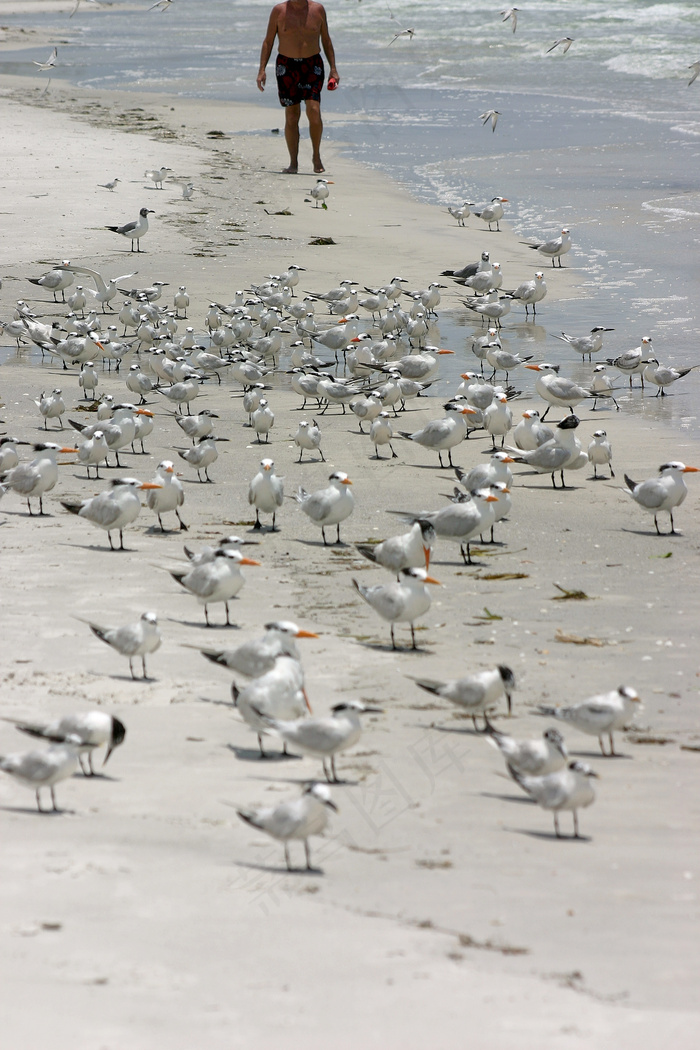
pixel 291 170
pixel 318 167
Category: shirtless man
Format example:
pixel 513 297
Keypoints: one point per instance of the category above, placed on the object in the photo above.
pixel 299 25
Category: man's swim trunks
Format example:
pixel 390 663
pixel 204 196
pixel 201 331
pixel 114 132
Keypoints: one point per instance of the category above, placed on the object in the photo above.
pixel 299 79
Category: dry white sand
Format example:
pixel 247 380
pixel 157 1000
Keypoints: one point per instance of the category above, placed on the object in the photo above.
pixel 147 915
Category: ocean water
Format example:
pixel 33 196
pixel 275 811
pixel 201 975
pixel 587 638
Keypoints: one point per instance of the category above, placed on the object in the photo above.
pixel 604 139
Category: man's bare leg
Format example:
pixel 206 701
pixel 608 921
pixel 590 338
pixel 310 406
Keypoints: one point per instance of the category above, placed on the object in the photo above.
pixel 313 113
pixel 291 137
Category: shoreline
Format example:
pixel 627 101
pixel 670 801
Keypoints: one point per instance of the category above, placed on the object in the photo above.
pixel 172 913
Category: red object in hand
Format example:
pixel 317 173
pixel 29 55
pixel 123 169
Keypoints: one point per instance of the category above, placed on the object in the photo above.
pixel 332 83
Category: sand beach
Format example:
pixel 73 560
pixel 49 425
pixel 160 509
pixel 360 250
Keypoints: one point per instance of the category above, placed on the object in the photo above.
pixel 146 915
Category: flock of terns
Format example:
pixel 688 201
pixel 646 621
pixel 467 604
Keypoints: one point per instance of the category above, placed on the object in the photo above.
pixel 365 351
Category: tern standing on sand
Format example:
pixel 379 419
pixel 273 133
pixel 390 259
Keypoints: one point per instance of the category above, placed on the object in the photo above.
pixel 300 27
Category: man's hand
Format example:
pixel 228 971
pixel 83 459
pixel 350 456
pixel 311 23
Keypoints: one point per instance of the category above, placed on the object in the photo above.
pixel 261 80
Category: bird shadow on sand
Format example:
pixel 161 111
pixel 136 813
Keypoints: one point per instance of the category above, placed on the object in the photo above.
pixel 32 811
pixel 549 836
pixel 460 730
pixel 320 544
pixel 123 678
pixel 385 647
pixel 97 776
pixel 596 754
pixel 508 798
pixel 206 626
pixel 281 870
pixel 652 532
pixel 250 754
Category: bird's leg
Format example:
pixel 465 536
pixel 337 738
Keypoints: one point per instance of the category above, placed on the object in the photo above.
pixel 183 527
pixel 53 800
pixel 206 616
pixel 263 753
pixel 612 744
pixel 393 643
pixel 90 765
pixel 576 834
pixel 561 474
pixel 131 667
pixel 556 825
pixel 274 514
pixel 286 857
pixel 413 638
pixel 308 855
pixel 673 530
pixel 143 665
pixel 228 622
pixel 301 453
pixel 554 482
pixel 160 522
pixel 337 539
pixel 658 530
pixel 602 746
pixel 258 524
pixel 393 454
pixel 440 458
pixel 323 458
pixel 449 457
pixel 333 770
pixel 121 541
pixel 323 533
pixel 38 801
pixel 612 472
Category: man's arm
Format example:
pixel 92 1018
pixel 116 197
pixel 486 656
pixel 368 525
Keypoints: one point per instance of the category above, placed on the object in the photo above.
pixel 267 46
pixel 328 47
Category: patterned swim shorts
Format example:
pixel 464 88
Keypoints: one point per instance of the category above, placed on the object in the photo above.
pixel 299 79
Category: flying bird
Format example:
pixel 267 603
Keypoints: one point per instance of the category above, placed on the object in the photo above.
pixel 490 115
pixel 512 14
pixel 49 63
pixel 564 43
pixel 696 71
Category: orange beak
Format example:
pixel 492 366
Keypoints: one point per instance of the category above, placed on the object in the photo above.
pixel 143 412
pixel 533 368
pixel 249 561
pixel 491 499
pixel 68 450
pixel 150 485
pixel 426 553
pixel 445 351
pixel 347 482
pixel 691 470
pixel 305 634
pixel 306 699
pixel 431 579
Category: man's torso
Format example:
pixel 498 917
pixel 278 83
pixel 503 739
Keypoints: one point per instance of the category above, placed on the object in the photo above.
pixel 299 28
